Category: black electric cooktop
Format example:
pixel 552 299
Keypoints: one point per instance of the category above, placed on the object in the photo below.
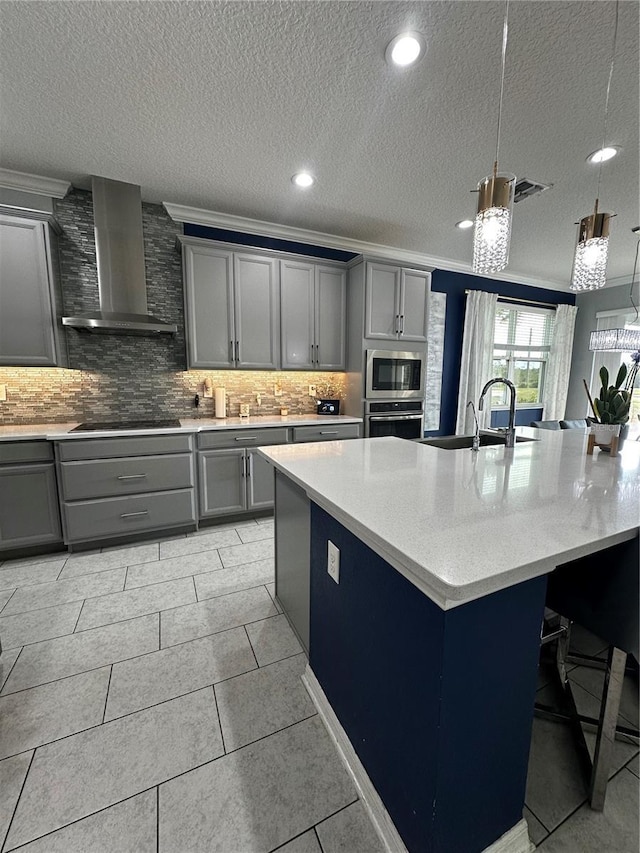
pixel 167 423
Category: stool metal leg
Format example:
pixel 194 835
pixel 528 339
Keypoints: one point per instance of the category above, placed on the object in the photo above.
pixel 613 681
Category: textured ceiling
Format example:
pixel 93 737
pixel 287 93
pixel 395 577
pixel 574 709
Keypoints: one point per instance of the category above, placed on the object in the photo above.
pixel 216 105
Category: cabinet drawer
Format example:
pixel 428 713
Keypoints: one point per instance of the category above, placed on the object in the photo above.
pixel 118 516
pixel 25 451
pixel 242 437
pixel 109 477
pixel 329 432
pixel 105 448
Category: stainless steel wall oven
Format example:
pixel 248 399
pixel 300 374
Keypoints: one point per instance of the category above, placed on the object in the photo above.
pixel 401 419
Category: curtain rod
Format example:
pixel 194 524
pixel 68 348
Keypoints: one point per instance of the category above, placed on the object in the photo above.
pixel 518 299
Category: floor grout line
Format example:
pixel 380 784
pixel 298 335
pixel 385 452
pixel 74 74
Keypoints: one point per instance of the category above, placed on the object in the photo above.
pixel 15 808
pixel 106 697
pixel 217 707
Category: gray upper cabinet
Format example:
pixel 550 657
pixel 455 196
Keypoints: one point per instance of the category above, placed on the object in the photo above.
pixel 396 303
pixel 256 311
pixel 231 302
pixel 313 309
pixel 30 335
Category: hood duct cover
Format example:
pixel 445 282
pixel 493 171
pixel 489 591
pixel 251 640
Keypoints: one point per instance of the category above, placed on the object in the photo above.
pixel 117 211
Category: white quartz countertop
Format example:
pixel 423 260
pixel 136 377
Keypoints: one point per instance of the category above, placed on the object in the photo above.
pixel 62 431
pixel 461 525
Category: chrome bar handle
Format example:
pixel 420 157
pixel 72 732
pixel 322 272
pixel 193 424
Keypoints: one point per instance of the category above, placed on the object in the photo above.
pixel 328 432
pixel 134 514
pixel 231 351
pixel 237 351
pixel 246 438
pixel 130 476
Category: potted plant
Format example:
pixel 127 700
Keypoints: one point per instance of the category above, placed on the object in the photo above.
pixel 611 406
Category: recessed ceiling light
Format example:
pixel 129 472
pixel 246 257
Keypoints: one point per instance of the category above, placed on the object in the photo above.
pixel 602 154
pixel 465 223
pixel 405 49
pixel 303 179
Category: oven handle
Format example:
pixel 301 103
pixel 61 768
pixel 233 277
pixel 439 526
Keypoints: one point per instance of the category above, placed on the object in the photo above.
pixel 394 417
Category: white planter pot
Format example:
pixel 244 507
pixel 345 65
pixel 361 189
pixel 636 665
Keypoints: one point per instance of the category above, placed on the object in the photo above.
pixel 604 433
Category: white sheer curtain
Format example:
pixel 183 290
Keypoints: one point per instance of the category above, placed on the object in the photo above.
pixel 477 358
pixel 556 380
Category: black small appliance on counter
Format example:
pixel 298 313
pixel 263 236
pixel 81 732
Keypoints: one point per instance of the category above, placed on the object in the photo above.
pixel 327 407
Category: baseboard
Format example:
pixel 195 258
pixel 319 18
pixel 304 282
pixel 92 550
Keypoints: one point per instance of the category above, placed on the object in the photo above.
pixel 516 840
pixel 370 798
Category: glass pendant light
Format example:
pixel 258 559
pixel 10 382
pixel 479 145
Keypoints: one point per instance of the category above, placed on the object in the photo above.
pixel 492 231
pixel 592 252
pixel 620 340
pixel 592 249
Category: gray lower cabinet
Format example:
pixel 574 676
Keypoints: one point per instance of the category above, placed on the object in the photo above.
pixel 232 476
pixel 29 513
pixel 30 331
pixel 115 487
pixel 326 432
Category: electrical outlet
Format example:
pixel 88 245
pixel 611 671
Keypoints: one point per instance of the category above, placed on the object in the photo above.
pixel 3 393
pixel 333 561
pixel 277 390
pixel 312 390
pixel 244 408
pixel 208 387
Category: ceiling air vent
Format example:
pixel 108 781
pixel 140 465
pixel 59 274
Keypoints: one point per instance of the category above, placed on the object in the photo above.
pixel 526 188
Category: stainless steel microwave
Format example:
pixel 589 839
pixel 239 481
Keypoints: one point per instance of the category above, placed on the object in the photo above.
pixel 394 375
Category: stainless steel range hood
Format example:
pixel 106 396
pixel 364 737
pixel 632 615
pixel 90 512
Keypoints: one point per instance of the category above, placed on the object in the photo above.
pixel 117 211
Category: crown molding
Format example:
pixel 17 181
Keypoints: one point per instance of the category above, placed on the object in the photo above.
pixel 36 184
pixel 245 225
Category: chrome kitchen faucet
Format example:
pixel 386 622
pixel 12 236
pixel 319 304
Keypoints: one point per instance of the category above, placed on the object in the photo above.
pixel 510 435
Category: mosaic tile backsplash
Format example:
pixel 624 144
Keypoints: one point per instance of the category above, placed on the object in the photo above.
pixel 118 377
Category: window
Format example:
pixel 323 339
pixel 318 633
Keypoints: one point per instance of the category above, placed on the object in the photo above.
pixel 521 344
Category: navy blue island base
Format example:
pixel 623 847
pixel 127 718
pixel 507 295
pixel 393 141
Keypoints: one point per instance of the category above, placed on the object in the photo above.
pixel 438 704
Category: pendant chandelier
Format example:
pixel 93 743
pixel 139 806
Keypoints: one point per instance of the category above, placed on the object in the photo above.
pixel 619 340
pixel 592 249
pixel 492 231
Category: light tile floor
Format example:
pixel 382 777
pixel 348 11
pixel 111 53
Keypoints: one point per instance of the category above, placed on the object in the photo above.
pixel 151 701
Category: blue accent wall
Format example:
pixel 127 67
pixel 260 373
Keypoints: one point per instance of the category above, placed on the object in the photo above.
pixel 454 285
pixel 258 241
pixel 437 704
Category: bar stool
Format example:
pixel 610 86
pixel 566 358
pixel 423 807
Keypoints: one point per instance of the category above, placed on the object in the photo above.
pixel 603 599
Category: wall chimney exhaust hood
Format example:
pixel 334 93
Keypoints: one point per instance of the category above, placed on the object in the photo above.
pixel 117 211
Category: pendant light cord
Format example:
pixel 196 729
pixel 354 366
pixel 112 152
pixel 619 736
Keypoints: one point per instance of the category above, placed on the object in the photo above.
pixel 633 278
pixel 606 102
pixel 505 32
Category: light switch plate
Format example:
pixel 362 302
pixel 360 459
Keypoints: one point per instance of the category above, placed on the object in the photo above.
pixel 312 390
pixel 3 393
pixel 333 560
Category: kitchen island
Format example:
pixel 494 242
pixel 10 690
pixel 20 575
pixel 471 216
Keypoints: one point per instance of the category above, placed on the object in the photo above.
pixel 425 652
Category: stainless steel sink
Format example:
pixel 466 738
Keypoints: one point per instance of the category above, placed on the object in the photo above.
pixel 459 442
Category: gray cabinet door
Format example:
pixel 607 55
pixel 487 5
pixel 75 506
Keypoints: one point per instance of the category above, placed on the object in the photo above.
pixel 413 306
pixel 27 315
pixel 256 311
pixel 330 318
pixel 382 301
pixel 208 284
pixel 222 482
pixel 29 513
pixel 297 288
pixel 260 482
